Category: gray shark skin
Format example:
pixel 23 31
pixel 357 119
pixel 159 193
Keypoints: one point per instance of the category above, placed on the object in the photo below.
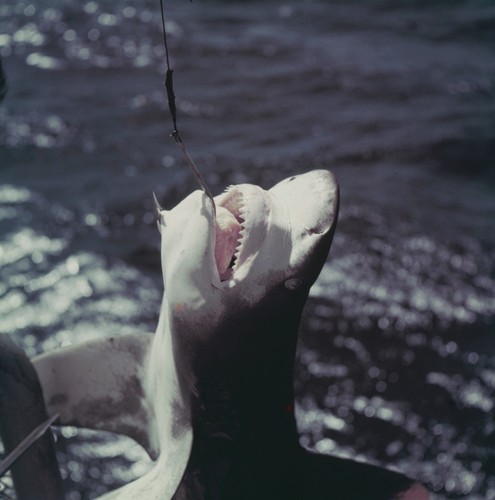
pixel 210 394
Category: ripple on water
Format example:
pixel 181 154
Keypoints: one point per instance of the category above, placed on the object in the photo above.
pixel 58 293
pixel 53 39
pixel 43 61
pixel 33 129
pixel 469 393
pixel 99 460
pixel 421 280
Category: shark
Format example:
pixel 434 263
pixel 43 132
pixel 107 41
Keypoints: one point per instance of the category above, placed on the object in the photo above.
pixel 210 394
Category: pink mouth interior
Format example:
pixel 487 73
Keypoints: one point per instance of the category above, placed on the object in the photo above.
pixel 228 233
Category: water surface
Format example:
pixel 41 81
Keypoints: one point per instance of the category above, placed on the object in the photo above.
pixel 396 362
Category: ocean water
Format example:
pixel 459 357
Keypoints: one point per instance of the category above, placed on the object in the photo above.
pixel 396 359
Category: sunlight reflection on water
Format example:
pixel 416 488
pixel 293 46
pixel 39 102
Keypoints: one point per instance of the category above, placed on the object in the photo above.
pixel 396 356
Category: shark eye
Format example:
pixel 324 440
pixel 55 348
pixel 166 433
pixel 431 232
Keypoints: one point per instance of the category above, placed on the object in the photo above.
pixel 293 284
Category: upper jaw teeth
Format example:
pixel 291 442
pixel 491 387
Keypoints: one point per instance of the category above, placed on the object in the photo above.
pixel 233 201
pixel 251 207
pixel 230 232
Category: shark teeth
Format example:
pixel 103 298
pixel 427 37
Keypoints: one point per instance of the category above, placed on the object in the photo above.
pixel 234 201
pixel 237 252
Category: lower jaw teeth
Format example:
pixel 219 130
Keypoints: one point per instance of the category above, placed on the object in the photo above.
pixel 227 234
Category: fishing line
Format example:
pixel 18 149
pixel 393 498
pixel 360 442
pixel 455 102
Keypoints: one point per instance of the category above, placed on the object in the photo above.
pixel 169 87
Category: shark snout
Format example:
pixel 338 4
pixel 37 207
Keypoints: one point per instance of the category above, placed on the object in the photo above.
pixel 311 200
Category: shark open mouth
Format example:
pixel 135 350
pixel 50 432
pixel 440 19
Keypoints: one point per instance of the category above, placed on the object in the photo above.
pixel 229 231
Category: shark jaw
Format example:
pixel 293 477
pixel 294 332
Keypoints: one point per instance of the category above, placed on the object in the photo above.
pixel 261 233
pixel 246 210
pixel 299 211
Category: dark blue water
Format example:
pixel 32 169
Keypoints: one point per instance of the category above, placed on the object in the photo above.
pixel 396 359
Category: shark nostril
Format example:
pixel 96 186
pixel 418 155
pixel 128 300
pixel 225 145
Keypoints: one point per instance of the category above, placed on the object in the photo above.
pixel 313 230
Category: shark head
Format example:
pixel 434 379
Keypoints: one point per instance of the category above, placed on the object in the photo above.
pixel 256 246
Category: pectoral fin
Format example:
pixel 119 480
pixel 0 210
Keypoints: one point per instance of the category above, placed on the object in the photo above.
pixel 100 385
